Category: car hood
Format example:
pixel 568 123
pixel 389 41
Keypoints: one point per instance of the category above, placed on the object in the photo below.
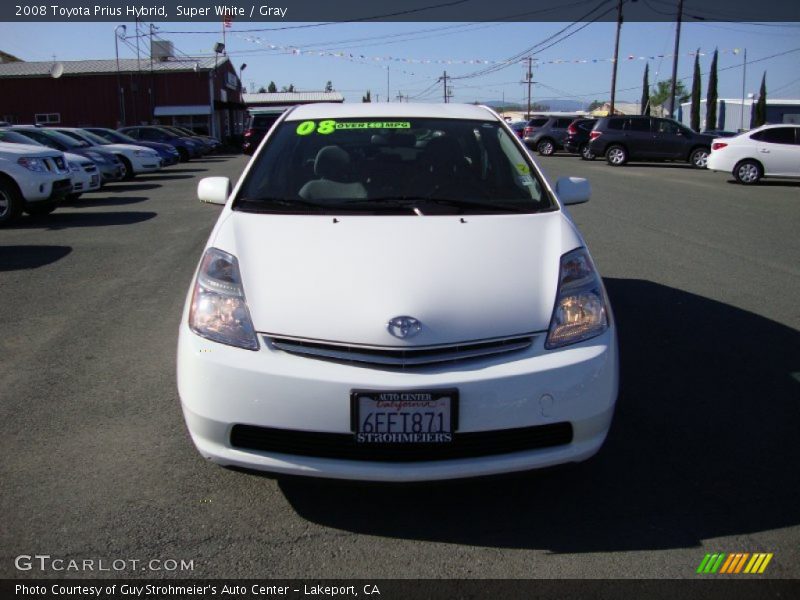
pixel 158 146
pixel 32 150
pixel 124 148
pixel 77 158
pixel 343 280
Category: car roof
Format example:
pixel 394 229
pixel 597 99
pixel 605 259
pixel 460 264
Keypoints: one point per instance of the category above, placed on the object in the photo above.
pixel 774 125
pixel 386 110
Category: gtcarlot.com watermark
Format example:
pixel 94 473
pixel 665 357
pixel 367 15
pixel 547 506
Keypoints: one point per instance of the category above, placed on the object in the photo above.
pixel 48 563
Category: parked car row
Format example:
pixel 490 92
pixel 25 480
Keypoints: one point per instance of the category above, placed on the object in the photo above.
pixel 768 151
pixel 42 166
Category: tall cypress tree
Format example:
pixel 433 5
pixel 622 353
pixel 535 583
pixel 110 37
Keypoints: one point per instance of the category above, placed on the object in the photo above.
pixel 712 97
pixel 761 105
pixel 696 84
pixel 646 90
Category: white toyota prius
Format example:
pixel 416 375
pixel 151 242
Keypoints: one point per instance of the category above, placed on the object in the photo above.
pixel 394 292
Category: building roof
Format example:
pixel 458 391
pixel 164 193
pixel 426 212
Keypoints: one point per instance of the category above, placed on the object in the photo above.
pixel 390 111
pixel 620 108
pixel 96 67
pixel 278 98
pixel 748 101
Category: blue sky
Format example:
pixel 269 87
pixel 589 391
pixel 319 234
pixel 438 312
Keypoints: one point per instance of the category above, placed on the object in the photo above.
pixel 453 42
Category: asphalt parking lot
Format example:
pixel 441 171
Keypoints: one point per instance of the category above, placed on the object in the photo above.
pixel 704 278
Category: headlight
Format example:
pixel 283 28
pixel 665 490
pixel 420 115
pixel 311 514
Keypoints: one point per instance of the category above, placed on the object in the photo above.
pixel 32 164
pixel 74 167
pixel 219 310
pixel 580 309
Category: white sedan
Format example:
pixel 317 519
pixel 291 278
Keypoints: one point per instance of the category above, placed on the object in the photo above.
pixel 768 151
pixel 394 292
pixel 136 159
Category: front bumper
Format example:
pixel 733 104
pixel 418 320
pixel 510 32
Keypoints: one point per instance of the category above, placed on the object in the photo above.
pixel 111 172
pixel 85 181
pixel 145 164
pixel 37 187
pixel 221 386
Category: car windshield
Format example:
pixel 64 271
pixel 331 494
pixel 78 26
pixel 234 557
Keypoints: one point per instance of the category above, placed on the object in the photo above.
pixel 93 138
pixel 13 137
pixel 109 135
pixel 405 166
pixel 172 130
pixel 54 139
pixel 80 136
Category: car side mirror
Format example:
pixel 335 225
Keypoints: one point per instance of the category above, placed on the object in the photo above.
pixel 573 190
pixel 214 190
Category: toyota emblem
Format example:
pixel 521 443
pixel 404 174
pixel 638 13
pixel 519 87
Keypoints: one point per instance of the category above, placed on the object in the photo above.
pixel 404 327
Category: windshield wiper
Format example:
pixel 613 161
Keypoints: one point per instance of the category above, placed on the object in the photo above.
pixel 453 202
pixel 262 204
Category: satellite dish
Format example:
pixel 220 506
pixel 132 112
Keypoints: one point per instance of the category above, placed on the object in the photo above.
pixel 57 70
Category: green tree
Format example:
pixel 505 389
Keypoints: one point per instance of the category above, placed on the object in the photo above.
pixel 594 104
pixel 646 90
pixel 272 87
pixel 696 85
pixel 262 90
pixel 661 94
pixel 367 97
pixel 288 88
pixel 761 104
pixel 711 97
pixel 329 87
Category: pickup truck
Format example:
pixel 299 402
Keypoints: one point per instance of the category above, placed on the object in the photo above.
pixel 32 179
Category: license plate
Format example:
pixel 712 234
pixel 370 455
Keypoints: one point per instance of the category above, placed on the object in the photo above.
pixel 404 417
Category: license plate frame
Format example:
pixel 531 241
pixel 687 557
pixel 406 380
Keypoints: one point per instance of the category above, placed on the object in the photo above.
pixel 442 396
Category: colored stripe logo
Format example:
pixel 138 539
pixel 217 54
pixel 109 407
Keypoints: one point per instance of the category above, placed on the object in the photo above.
pixel 736 562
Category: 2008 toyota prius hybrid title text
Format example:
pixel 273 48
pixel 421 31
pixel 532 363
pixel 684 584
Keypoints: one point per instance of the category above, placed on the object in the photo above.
pixel 395 293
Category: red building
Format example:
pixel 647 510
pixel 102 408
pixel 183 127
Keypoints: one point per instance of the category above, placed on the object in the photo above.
pixel 203 94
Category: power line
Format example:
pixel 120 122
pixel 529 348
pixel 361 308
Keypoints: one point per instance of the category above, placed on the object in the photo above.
pixel 538 46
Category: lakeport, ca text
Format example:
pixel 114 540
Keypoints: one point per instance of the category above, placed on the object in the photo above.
pixel 202 590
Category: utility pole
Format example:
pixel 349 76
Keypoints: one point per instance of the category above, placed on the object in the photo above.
pixel 138 77
pixel 400 97
pixel 744 76
pixel 152 77
pixel 388 97
pixel 616 60
pixel 529 79
pixel 444 90
pixel 675 61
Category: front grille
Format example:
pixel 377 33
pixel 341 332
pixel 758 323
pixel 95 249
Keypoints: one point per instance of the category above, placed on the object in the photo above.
pixel 343 446
pixel 396 356
pixel 62 185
